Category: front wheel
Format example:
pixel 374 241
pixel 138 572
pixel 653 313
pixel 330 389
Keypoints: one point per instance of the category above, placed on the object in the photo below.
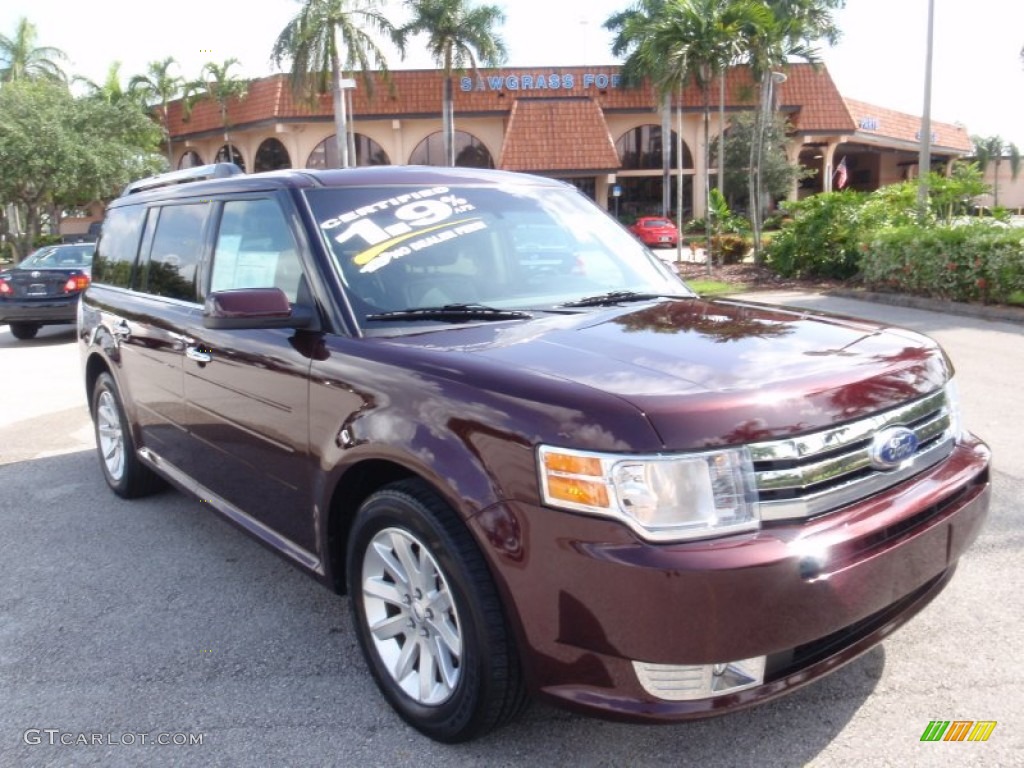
pixel 428 616
pixel 24 331
pixel 124 473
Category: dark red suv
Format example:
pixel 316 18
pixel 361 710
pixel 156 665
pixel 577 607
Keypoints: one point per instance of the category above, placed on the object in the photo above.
pixel 533 458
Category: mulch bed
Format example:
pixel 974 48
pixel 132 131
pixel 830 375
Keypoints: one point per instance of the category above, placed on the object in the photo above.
pixel 754 278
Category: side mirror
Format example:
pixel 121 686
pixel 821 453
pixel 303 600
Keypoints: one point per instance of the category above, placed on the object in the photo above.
pixel 254 308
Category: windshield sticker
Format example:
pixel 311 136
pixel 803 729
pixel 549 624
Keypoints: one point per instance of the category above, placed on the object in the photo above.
pixel 381 255
pixel 403 224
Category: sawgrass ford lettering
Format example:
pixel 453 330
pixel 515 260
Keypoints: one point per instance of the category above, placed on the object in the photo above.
pixel 535 461
pixel 541 81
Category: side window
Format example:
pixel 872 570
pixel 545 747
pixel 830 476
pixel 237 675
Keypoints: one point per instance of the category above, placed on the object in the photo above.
pixel 176 252
pixel 118 246
pixel 255 249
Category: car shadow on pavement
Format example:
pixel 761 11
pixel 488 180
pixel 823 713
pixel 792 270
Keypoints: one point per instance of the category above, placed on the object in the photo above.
pixel 157 614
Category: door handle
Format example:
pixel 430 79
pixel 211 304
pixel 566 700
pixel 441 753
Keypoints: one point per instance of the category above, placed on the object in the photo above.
pixel 199 354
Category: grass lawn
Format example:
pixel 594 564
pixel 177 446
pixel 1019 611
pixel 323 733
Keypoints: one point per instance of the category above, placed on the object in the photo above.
pixel 715 287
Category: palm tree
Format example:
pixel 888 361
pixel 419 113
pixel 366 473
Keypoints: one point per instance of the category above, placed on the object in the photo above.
pixel 786 32
pixel 20 58
pixel 992 149
pixel 110 90
pixel 223 87
pixel 159 87
pixel 326 39
pixel 678 41
pixel 457 35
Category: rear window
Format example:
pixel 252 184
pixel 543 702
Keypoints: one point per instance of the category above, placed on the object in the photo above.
pixel 656 223
pixel 118 246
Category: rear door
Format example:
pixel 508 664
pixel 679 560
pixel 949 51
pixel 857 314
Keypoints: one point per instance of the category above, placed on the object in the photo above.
pixel 144 306
pixel 247 391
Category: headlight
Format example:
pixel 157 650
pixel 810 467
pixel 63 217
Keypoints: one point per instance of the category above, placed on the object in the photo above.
pixel 953 408
pixel 662 498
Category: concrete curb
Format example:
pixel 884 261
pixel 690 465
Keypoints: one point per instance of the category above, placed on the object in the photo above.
pixel 982 311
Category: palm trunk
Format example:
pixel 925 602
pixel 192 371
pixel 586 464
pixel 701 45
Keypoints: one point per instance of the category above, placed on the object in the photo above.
pixel 448 123
pixel 706 96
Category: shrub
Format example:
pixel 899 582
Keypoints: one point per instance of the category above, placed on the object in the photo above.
pixel 731 249
pixel 977 262
pixel 824 238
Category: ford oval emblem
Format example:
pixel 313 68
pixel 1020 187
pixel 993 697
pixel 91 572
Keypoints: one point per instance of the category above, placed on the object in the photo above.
pixel 35 274
pixel 891 447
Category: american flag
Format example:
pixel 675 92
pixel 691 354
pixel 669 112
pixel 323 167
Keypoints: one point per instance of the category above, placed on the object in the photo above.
pixel 841 174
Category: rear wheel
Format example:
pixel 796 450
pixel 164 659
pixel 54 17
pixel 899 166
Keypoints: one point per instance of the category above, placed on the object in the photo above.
pixel 24 331
pixel 124 473
pixel 428 616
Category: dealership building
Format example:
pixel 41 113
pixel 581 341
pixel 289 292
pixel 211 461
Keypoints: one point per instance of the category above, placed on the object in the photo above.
pixel 580 124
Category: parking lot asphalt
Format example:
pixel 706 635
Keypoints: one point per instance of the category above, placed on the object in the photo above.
pixel 123 622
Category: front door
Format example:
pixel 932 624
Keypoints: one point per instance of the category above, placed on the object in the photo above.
pixel 247 391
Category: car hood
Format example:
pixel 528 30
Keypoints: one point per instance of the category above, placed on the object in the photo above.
pixel 711 372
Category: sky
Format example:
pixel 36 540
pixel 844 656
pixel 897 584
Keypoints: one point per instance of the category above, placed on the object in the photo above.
pixel 978 76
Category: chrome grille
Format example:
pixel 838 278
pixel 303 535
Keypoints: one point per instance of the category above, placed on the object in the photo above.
pixel 815 473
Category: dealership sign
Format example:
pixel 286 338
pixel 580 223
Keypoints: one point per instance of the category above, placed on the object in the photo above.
pixel 540 81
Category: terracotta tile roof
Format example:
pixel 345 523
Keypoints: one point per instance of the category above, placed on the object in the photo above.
pixel 885 123
pixel 809 95
pixel 561 134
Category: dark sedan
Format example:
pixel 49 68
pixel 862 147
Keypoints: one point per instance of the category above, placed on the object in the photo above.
pixel 44 288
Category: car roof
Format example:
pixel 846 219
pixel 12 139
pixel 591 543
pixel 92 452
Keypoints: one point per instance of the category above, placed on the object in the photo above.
pixel 179 186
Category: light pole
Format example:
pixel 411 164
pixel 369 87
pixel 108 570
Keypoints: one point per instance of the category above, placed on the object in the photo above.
pixel 924 161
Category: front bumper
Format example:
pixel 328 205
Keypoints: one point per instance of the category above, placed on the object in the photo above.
pixel 589 599
pixel 60 310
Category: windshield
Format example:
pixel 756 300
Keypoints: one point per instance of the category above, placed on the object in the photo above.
pixel 509 248
pixel 61 257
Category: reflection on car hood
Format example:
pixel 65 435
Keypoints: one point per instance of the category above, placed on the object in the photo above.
pixel 706 372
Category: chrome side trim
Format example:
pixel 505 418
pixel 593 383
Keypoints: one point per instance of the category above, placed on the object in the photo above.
pixel 303 557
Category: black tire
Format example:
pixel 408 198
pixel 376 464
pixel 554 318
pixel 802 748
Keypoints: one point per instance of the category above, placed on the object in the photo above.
pixel 483 688
pixel 24 331
pixel 126 475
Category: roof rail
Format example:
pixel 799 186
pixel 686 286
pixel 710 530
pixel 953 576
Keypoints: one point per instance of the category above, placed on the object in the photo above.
pixel 184 176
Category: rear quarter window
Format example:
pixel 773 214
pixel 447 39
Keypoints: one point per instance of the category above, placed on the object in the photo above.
pixel 118 246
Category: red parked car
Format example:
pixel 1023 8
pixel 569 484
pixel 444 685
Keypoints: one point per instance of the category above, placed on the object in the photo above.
pixel 587 484
pixel 656 231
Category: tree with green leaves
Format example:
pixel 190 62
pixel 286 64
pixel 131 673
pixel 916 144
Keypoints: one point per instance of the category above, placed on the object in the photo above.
pixel 777 172
pixel 223 87
pixel 327 39
pixel 993 149
pixel 459 36
pixel 89 151
pixel 21 58
pixel 158 88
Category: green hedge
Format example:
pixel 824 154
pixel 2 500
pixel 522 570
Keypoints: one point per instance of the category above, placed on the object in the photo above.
pixel 976 262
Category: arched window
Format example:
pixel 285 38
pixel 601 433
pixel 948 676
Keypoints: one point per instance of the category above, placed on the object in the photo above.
pixel 368 152
pixel 640 149
pixel 470 152
pixel 190 160
pixel 271 156
pixel 230 154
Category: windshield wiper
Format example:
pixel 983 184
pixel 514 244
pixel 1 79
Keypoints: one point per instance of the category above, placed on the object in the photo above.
pixel 456 313
pixel 619 297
